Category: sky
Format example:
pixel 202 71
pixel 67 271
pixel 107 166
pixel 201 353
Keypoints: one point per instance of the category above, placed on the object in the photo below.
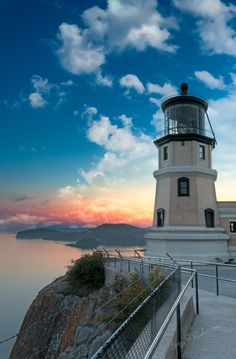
pixel 81 86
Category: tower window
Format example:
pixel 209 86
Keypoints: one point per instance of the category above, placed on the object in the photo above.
pixel 160 217
pixel 232 226
pixel 202 154
pixel 210 217
pixel 183 186
pixel 165 153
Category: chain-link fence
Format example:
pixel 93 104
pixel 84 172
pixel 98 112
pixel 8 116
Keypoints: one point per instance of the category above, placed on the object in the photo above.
pixel 134 337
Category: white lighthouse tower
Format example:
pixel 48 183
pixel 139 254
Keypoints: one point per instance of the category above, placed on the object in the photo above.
pixel 186 221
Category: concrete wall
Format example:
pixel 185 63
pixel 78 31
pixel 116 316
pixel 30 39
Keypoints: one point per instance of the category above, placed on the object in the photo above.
pixel 182 153
pixel 227 213
pixel 185 211
pixel 186 214
pixel 111 274
pixel 184 160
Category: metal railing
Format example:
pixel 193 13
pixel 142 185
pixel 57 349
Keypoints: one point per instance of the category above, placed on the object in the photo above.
pixel 134 337
pixel 215 267
pixel 185 130
pixel 139 336
pixel 199 265
pixel 174 309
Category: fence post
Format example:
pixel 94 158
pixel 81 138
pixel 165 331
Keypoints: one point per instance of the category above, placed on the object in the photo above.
pixel 142 267
pixel 196 293
pixel 128 265
pixel 108 257
pixel 191 265
pixel 179 279
pixel 217 281
pixel 178 334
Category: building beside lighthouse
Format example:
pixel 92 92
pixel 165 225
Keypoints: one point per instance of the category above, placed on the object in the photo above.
pixel 188 222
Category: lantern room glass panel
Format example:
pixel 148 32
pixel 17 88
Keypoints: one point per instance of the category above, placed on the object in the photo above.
pixel 184 118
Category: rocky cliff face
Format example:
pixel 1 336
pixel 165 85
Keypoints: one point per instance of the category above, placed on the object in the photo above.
pixel 61 325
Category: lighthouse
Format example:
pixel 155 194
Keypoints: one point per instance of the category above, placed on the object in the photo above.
pixel 186 221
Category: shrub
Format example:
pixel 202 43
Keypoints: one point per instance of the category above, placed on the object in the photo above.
pixel 129 293
pixel 156 276
pixel 87 271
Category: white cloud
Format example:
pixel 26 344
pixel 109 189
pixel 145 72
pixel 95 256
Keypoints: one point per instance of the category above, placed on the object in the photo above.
pixel 117 185
pixel 222 116
pixel 106 168
pixel 36 100
pixel 41 85
pixel 19 221
pixel 154 100
pixel 127 121
pixel 132 81
pixel 119 140
pixel 129 156
pixel 46 92
pixel 100 131
pixel 68 83
pixel 222 112
pixel 89 113
pixel 22 218
pixel 103 80
pixel 233 77
pixel 66 191
pixel 92 175
pixel 43 93
pixel 135 23
pixel 209 80
pixel 122 24
pixel 209 8
pixel 157 120
pixel 92 110
pixel 77 54
pixel 166 90
pixel 95 19
pixel 150 34
pixel 216 31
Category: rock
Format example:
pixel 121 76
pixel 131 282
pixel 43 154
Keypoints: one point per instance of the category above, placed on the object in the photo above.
pixel 82 334
pixel 98 342
pixel 79 353
pixel 62 325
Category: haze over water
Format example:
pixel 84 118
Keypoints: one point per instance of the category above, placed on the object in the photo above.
pixel 26 266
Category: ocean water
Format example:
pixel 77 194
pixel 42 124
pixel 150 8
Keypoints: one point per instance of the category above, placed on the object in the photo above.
pixel 26 266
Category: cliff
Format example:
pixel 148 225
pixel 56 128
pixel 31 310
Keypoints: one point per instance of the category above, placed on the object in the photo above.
pixel 63 324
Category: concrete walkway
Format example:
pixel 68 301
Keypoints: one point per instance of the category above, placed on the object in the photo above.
pixel 213 332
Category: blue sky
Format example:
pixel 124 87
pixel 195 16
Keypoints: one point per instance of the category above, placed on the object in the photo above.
pixel 79 102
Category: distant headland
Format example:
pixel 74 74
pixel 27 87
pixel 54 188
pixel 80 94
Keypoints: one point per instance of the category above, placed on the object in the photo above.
pixel 104 235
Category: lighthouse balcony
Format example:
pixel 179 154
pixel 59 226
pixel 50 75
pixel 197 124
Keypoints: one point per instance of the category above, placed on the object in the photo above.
pixel 185 134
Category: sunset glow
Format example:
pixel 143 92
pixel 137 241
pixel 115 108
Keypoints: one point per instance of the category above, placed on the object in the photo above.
pixel 80 107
